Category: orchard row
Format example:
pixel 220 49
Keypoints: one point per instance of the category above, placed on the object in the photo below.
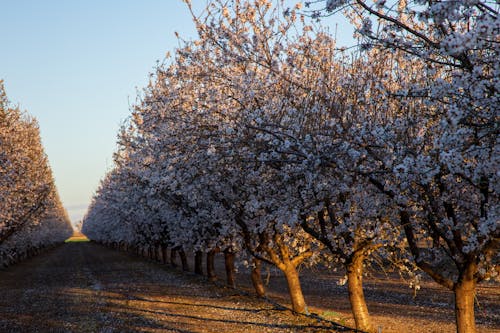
pixel 262 138
pixel 31 214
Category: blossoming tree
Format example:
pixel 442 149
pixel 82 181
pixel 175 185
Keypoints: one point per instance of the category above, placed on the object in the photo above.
pixel 31 213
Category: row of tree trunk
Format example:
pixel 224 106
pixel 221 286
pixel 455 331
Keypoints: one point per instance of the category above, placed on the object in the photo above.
pixel 170 256
pixel 14 257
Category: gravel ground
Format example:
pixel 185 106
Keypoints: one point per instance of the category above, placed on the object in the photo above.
pixel 84 287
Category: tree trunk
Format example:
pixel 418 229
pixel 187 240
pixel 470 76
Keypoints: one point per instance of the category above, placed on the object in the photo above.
pixel 295 290
pixel 356 296
pixel 182 255
pixel 229 264
pixel 154 253
pixel 211 265
pixel 257 278
pixel 164 254
pixel 173 254
pixel 198 259
pixel 465 291
pixel 157 253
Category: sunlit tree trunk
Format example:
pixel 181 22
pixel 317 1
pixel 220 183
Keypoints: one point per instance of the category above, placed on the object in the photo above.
pixel 288 264
pixel 257 278
pixel 356 296
pixel 294 288
pixel 281 257
pixel 465 290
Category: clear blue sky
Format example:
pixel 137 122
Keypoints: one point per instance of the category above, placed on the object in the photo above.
pixel 76 66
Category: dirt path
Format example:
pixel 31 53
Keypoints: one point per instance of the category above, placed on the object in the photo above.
pixel 393 306
pixel 83 287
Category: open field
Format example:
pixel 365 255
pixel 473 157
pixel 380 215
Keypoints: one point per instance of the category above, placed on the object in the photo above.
pixel 77 237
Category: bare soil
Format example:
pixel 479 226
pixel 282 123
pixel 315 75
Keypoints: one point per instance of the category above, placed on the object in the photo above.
pixel 393 305
pixel 84 287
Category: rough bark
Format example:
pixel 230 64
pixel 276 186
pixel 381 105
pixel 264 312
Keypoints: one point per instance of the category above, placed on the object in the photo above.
pixel 288 264
pixel 229 265
pixel 257 278
pixel 211 265
pixel 465 291
pixel 356 296
pixel 294 289
pixel 198 259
